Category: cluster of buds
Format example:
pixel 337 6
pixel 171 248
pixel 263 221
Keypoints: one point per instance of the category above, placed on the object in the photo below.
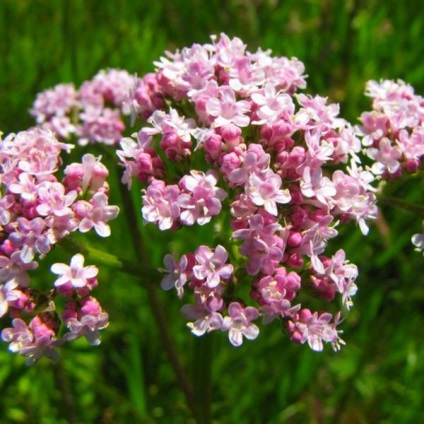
pixel 36 212
pixel 228 138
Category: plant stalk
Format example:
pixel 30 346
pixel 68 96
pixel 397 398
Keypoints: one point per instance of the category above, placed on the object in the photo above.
pixel 402 204
pixel 155 304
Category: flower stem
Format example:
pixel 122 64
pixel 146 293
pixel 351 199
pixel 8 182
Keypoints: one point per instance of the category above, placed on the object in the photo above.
pixel 402 204
pixel 202 377
pixel 155 304
pixel 109 260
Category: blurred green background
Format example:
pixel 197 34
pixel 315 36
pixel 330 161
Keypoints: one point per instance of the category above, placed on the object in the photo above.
pixel 379 376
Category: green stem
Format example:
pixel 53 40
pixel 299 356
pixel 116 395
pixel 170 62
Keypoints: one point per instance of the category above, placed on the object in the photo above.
pixel 402 204
pixel 155 304
pixel 202 377
pixel 109 260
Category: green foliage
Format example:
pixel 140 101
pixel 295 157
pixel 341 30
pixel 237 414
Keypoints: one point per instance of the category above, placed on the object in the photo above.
pixel 378 376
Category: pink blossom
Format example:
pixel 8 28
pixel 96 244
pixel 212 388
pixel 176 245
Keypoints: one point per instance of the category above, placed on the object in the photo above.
pixel 276 293
pixel 227 110
pixel 265 191
pixel 91 173
pixel 139 159
pixel 31 237
pixel 56 101
pixel 227 50
pixel 8 294
pixel 76 273
pixel 53 200
pixel 188 71
pixel 386 157
pixel 229 163
pixel 201 199
pixel 112 86
pixel 165 123
pixel 87 322
pixel 412 145
pixel 272 105
pixel 238 323
pixel 204 321
pixel 315 328
pixel 374 127
pixel 178 273
pixel 262 246
pixel 244 76
pixel 26 187
pixel 160 204
pixel 286 74
pixel 314 185
pixel 96 214
pixel 256 161
pixel 344 275
pixel 316 114
pixel 19 336
pixel 100 126
pixel 354 195
pixel 211 265
pixel 33 341
pixel 35 152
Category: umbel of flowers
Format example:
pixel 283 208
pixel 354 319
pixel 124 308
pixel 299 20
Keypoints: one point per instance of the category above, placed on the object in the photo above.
pixel 226 140
pixel 227 135
pixel 37 210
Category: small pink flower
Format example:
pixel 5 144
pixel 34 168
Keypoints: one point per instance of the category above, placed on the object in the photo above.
pixel 277 291
pixel 265 190
pixel 226 109
pixel 31 237
pixel 315 328
pixel 211 265
pixel 96 214
pixel 33 341
pixel 76 273
pixel 56 101
pixel 272 104
pixel 386 157
pixel 91 173
pixel 239 324
pixel 87 321
pixel 54 201
pixel 160 204
pixel 100 126
pixel 204 321
pixel 201 199
pixel 8 294
pixel 178 273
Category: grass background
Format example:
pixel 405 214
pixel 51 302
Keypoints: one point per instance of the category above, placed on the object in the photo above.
pixel 379 376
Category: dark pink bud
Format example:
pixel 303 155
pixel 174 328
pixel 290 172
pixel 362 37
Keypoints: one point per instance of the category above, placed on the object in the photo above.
pixel 90 306
pixel 212 146
pixel 294 239
pixel 295 260
pixel 231 134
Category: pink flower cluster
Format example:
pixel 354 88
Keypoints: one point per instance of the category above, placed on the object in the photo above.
pixel 228 137
pixel 36 212
pixel 228 143
pixel 393 132
pixel 93 114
